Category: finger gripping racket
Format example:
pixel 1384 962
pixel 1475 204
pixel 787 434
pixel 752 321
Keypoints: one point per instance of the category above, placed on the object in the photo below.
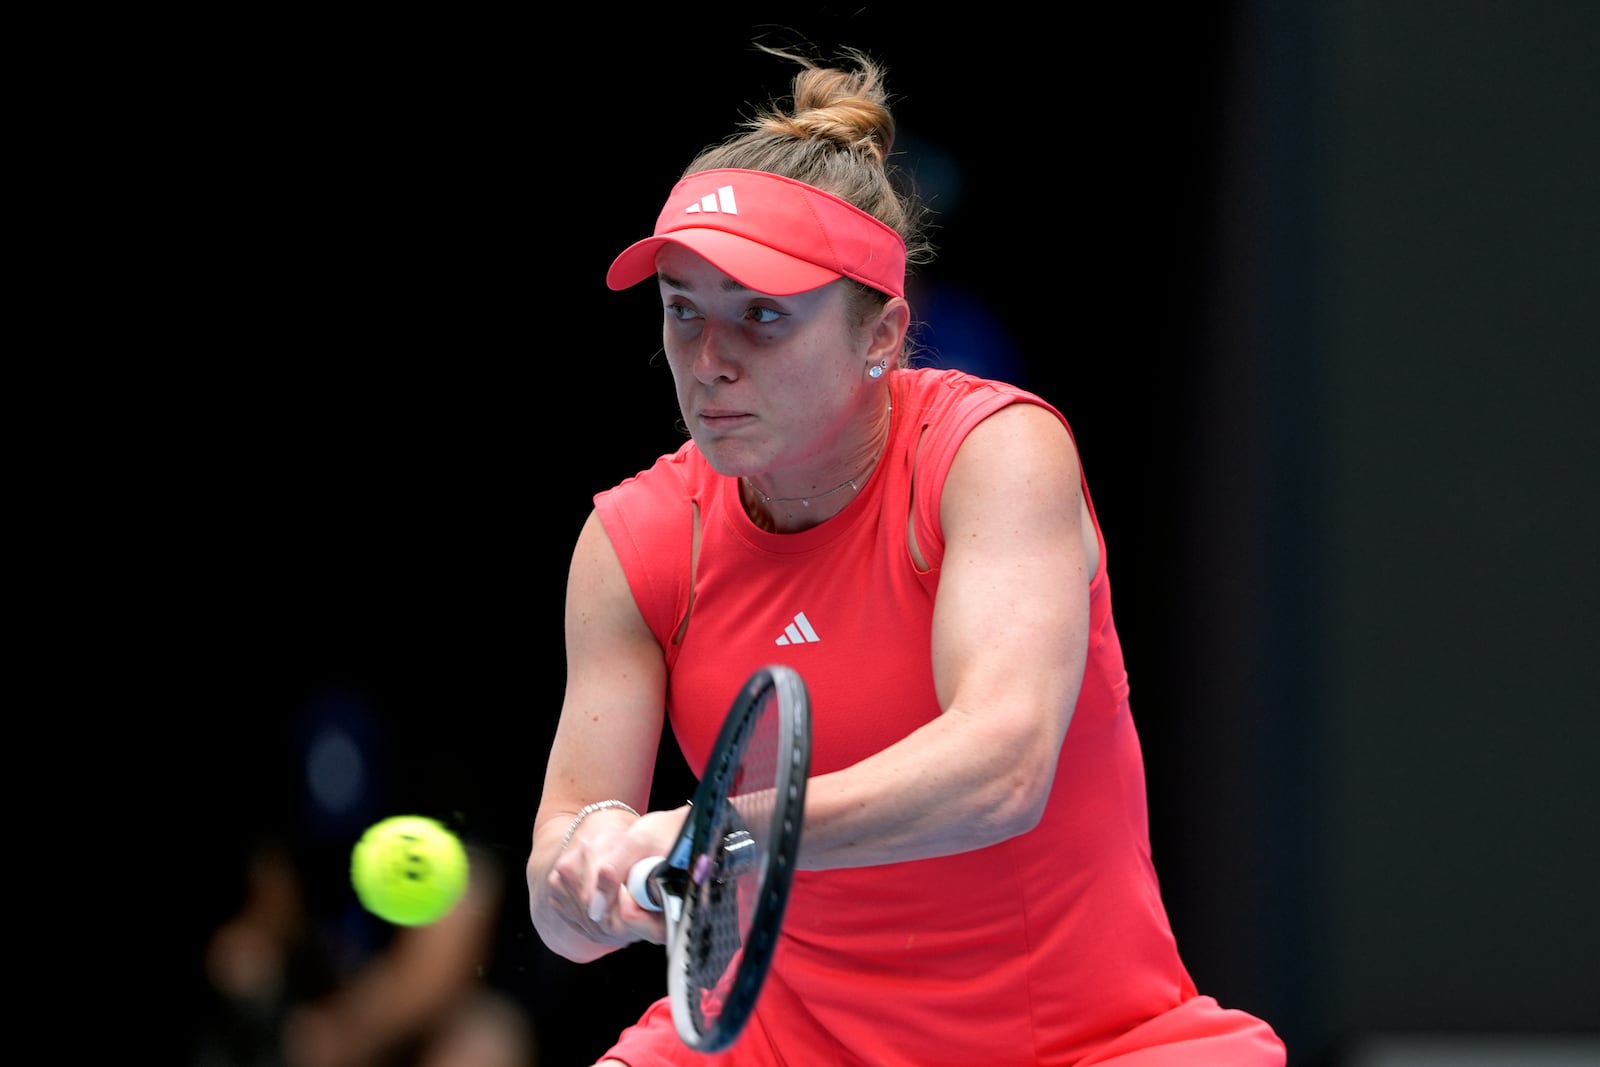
pixel 725 883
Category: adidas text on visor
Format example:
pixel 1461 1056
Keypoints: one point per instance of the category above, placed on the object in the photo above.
pixel 769 233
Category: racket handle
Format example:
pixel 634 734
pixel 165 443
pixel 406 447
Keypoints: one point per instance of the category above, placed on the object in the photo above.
pixel 642 885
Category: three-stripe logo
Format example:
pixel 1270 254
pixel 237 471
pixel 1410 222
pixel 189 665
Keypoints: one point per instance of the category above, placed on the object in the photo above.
pixel 798 632
pixel 720 201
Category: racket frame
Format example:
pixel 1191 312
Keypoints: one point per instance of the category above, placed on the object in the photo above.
pixel 674 884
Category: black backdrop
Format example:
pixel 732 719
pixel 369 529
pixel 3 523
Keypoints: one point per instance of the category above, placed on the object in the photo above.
pixel 398 377
pixel 417 378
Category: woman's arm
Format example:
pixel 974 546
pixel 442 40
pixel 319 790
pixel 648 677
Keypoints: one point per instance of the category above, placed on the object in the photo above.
pixel 604 749
pixel 1010 639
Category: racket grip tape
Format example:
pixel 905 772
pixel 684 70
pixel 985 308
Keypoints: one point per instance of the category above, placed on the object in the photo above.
pixel 642 885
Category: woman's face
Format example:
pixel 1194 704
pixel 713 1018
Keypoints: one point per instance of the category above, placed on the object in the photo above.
pixel 765 383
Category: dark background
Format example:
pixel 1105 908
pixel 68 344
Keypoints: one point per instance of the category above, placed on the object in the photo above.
pixel 1316 292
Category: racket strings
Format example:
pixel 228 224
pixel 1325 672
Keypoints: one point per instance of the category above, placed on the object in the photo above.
pixel 726 881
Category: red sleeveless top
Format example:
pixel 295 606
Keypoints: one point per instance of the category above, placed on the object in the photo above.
pixel 1042 949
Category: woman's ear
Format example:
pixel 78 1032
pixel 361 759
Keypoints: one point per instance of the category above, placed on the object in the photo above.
pixel 888 338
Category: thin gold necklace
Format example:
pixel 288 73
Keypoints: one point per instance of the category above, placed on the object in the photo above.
pixel 805 501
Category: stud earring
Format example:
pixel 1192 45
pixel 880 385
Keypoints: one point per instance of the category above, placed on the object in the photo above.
pixel 877 372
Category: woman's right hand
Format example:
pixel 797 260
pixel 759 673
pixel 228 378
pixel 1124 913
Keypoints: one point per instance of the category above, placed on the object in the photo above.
pixel 587 888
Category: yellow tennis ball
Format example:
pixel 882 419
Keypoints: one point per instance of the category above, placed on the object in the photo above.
pixel 409 870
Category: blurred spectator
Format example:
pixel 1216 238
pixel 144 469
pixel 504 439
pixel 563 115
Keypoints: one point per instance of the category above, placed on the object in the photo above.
pixel 298 974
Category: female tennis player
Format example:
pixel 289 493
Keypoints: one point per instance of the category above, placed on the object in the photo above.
pixel 974 880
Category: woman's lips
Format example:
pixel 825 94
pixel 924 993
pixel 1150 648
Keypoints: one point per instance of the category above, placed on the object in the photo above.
pixel 718 419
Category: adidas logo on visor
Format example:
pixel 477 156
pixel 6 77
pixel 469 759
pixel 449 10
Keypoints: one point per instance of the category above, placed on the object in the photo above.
pixel 720 201
pixel 775 235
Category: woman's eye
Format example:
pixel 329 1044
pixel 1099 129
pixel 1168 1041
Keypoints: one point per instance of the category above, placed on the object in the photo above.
pixel 764 315
pixel 679 311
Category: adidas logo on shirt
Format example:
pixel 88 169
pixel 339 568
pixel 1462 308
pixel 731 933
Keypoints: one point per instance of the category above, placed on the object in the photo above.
pixel 798 632
pixel 721 201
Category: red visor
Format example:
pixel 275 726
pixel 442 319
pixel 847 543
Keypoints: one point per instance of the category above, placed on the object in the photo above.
pixel 769 233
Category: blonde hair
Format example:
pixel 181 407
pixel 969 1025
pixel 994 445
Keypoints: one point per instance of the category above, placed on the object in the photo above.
pixel 835 132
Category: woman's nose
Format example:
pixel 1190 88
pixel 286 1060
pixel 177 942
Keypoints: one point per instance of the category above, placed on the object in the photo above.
pixel 711 361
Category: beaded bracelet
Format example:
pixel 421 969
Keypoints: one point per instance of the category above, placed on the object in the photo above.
pixel 588 810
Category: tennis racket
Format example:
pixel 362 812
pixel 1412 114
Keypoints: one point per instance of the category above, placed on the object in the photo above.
pixel 724 886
